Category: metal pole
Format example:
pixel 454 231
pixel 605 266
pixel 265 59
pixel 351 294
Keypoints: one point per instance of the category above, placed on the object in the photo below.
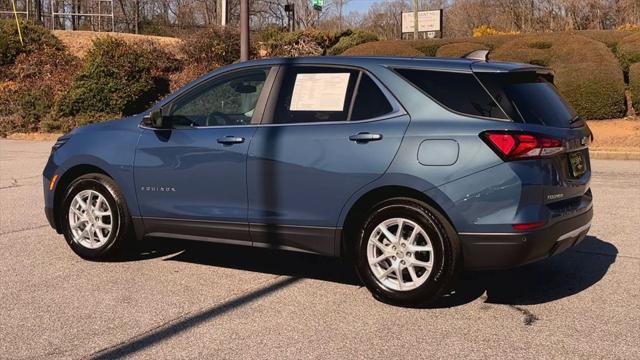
pixel 244 30
pixel 223 19
pixel 441 23
pixel 415 19
pixel 113 20
pixel 340 16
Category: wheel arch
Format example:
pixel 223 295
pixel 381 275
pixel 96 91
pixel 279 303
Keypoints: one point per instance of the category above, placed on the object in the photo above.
pixel 63 182
pixel 359 211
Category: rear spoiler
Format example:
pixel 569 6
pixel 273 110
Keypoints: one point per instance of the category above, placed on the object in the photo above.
pixel 483 55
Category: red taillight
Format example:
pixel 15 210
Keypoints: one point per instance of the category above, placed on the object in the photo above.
pixel 517 145
pixel 529 226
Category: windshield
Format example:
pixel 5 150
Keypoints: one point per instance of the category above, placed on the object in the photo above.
pixel 529 98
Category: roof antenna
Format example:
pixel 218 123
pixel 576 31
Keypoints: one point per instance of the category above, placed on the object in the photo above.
pixel 481 55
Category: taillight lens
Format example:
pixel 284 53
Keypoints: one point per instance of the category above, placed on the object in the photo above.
pixel 511 145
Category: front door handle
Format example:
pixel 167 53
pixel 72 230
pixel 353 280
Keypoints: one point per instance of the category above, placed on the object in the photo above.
pixel 365 137
pixel 230 140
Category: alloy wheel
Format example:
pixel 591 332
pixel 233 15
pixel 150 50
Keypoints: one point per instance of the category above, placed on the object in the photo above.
pixel 400 254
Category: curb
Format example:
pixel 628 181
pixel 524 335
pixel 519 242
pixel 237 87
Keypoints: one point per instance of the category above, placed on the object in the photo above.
pixel 614 155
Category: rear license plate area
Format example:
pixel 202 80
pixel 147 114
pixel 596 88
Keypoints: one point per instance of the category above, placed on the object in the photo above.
pixel 577 165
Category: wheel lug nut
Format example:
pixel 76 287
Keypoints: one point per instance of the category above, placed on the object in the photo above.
pixel 393 247
pixel 393 258
pixel 402 262
pixel 403 245
pixel 409 254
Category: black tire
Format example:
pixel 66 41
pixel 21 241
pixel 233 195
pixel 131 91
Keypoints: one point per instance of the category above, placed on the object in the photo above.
pixel 121 231
pixel 446 252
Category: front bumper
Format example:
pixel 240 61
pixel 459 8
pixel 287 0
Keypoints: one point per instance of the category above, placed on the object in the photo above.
pixel 507 250
pixel 48 212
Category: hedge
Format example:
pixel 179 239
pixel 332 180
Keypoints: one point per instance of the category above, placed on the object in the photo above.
pixel 34 37
pixel 630 48
pixel 634 85
pixel 383 48
pixel 354 38
pixel 460 49
pixel 587 73
pixel 609 38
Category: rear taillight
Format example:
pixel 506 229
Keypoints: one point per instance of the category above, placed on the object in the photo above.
pixel 511 145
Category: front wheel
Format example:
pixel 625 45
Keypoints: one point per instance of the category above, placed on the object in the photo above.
pixel 408 252
pixel 95 218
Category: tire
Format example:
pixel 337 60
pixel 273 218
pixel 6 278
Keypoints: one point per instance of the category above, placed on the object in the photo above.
pixel 390 280
pixel 115 229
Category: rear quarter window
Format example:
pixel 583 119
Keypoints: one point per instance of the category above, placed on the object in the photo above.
pixel 528 97
pixel 459 92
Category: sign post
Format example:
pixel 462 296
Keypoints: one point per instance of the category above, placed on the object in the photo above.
pixel 427 22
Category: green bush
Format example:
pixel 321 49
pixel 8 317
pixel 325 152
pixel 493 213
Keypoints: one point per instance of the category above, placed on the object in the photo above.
pixel 383 48
pixel 308 42
pixel 34 37
pixel 634 85
pixel 354 38
pixel 587 73
pixel 116 78
pixel 428 49
pixel 213 47
pixel 540 45
pixel 61 124
pixel 36 80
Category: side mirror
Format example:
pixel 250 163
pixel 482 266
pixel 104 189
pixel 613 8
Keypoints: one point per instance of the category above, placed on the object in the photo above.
pixel 156 120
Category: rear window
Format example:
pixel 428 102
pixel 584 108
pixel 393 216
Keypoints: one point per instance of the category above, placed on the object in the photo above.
pixel 460 92
pixel 528 97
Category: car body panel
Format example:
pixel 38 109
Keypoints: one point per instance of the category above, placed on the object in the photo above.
pixel 292 186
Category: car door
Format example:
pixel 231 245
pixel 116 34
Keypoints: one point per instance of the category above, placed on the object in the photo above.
pixel 191 179
pixel 328 132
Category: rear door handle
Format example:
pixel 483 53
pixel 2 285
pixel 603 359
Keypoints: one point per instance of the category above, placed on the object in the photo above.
pixel 230 140
pixel 365 137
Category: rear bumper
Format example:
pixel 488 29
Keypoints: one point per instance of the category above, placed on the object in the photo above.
pixel 506 250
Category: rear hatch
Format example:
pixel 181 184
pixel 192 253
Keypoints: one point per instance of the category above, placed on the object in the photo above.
pixel 529 98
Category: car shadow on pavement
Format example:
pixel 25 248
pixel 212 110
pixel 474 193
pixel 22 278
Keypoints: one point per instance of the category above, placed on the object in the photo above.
pixel 555 278
pixel 263 260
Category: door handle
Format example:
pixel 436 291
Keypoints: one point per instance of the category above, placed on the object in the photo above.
pixel 365 137
pixel 230 140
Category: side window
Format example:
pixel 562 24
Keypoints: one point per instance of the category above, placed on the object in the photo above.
pixel 370 102
pixel 460 92
pixel 315 94
pixel 230 100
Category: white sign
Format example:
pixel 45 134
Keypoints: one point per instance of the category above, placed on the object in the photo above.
pixel 319 92
pixel 427 21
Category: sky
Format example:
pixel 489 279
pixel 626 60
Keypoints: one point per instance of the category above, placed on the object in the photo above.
pixel 358 5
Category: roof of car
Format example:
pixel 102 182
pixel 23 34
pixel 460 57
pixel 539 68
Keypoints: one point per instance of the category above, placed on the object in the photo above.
pixel 452 64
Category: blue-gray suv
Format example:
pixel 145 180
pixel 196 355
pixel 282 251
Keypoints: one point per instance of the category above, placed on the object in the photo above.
pixel 412 168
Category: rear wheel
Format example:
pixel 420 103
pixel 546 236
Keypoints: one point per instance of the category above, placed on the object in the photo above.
pixel 407 252
pixel 95 219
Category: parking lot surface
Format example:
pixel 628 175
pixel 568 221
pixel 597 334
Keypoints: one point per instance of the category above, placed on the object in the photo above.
pixel 178 299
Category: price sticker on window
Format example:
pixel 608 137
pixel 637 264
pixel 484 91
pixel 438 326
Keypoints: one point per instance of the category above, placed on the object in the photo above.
pixel 320 92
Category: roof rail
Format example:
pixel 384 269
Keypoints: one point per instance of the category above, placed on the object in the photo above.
pixel 481 55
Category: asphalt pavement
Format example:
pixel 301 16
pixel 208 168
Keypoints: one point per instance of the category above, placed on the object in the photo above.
pixel 178 299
